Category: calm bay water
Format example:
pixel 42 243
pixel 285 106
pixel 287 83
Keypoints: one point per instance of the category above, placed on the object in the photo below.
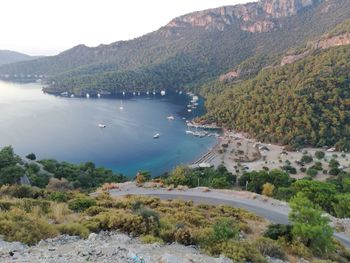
pixel 67 129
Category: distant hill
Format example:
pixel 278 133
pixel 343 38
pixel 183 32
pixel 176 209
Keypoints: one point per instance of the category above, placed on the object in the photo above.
pixel 8 57
pixel 190 50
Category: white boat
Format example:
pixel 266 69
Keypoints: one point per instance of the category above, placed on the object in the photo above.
pixel 189 110
pixel 134 93
pixel 156 136
pixel 64 94
pixel 139 93
pixel 162 93
pixel 171 118
pixel 189 132
pixel 102 125
pixel 123 93
pixel 98 95
pixel 72 96
pixel 87 95
pixel 154 93
pixel 195 98
pixel 180 92
pixel 147 92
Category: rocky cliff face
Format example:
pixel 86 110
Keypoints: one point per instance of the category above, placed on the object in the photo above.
pixel 323 43
pixel 255 17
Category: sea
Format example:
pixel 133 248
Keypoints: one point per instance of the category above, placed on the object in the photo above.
pixel 67 129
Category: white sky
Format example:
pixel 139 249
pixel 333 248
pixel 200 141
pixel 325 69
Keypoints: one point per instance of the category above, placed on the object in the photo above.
pixel 46 27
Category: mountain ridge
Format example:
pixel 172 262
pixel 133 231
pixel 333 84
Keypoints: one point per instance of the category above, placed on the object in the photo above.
pixel 188 56
pixel 9 56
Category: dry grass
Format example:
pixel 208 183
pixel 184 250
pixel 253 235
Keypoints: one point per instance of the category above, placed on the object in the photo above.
pixel 59 212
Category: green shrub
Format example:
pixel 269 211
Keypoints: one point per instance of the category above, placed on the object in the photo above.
pixel 320 154
pixel 284 193
pixel 17 225
pixel 312 172
pixel 225 229
pixel 241 252
pixel 268 247
pixel 82 203
pixel 342 205
pixel 149 239
pixel 74 229
pixel 276 231
pixel 95 210
pixel 58 197
pixel 306 159
pixel 334 171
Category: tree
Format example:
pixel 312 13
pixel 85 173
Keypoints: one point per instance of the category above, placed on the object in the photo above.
pixel 309 225
pixel 268 189
pixel 31 156
pixel 7 157
pixel 322 194
pixel 178 176
pixel 342 205
pixel 11 175
pixel 319 155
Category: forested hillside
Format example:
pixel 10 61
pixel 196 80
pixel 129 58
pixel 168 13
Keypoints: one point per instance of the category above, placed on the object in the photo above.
pixel 307 102
pixel 190 50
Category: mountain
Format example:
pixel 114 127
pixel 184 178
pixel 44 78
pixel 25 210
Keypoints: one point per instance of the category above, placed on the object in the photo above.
pixel 190 50
pixel 7 57
pixel 305 100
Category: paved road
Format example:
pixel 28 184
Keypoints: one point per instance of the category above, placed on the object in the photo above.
pixel 276 214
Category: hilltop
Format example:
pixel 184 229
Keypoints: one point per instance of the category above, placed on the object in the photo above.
pixel 7 57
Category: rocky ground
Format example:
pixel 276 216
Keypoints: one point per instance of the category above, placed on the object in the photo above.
pixel 105 247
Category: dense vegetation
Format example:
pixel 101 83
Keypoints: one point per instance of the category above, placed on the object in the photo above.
pixel 305 103
pixel 53 173
pixel 218 178
pixel 332 196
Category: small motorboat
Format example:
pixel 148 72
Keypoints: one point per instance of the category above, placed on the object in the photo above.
pixel 98 95
pixel 102 125
pixel 189 110
pixel 171 118
pixel 163 93
pixel 87 95
pixel 156 136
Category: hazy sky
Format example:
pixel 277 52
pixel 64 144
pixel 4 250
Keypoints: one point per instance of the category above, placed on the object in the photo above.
pixel 46 27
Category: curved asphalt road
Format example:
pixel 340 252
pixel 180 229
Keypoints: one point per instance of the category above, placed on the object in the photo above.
pixel 275 214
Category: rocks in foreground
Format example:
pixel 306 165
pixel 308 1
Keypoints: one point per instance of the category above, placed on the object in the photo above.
pixel 104 247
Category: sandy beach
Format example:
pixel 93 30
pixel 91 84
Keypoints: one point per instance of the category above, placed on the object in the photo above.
pixel 237 152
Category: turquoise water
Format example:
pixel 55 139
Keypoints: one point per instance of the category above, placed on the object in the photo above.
pixel 67 129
